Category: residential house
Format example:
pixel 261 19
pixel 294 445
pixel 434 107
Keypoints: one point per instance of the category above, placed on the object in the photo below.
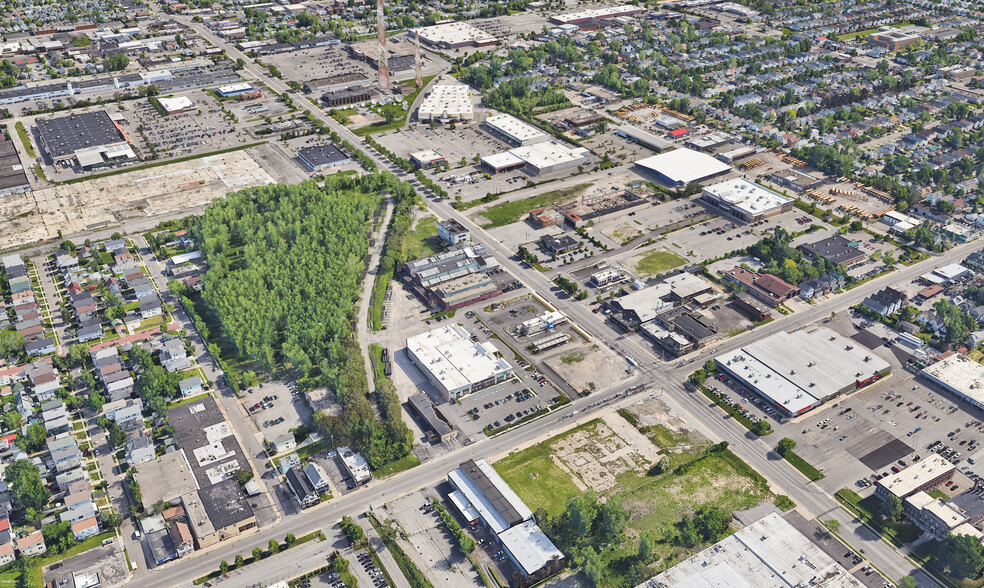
pixel 190 386
pixel 317 476
pixel 181 538
pixel 40 347
pixel 85 528
pixel 150 306
pixel 284 443
pixel 302 489
pixel 885 302
pixel 32 544
pixel 139 449
pixel 128 417
pixel 83 512
pixel 766 287
pixel 6 552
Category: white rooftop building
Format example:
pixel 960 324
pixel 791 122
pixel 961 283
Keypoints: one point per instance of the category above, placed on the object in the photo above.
pixel 922 475
pixel 746 200
pixel 960 376
pixel 450 35
pixel 681 167
pixel 800 370
pixel 456 364
pixel 447 103
pixel 176 105
pixel 514 130
pixel 355 464
pixel 769 553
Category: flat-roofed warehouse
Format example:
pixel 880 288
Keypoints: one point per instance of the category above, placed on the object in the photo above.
pixel 746 200
pixel 451 35
pixel 597 14
pixel 550 156
pixel 960 376
pixel 455 364
pixel 514 130
pixel 769 553
pixel 801 370
pixel 682 167
pixel 447 103
pixel 89 140
pixel 644 138
pixel 13 179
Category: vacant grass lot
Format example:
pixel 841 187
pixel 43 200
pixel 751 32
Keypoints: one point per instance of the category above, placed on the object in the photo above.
pixel 423 240
pixel 537 479
pixel 658 261
pixel 509 212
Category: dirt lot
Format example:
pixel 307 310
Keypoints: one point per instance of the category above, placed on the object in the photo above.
pixel 103 202
pixel 589 367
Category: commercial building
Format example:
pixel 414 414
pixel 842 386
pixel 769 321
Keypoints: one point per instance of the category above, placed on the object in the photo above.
pixel 925 474
pixel 947 274
pixel 455 364
pixel 437 426
pixel 795 180
pixel 766 287
pixel 606 277
pixel 769 553
pixel 544 322
pixel 231 90
pixel 515 131
pixel 941 517
pixel 301 488
pixel 177 105
pixel 537 159
pixel 960 376
pixel 482 496
pixel 605 13
pixel 346 96
pixel 355 465
pixel 334 83
pixel 640 307
pixel 682 167
pixel 452 35
pixel 462 291
pixel 644 138
pixel 447 103
pixel 894 40
pixel 455 262
pixel 453 233
pixel 88 140
pixel 746 200
pixel 13 178
pixel 425 159
pixel 798 371
pixel 558 245
pixel 836 249
pixel 318 158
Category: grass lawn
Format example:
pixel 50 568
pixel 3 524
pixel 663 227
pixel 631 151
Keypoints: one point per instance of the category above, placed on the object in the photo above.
pixel 902 531
pixel 658 261
pixel 537 479
pixel 857 34
pixel 510 212
pixel 396 124
pixel 937 493
pixel 26 140
pixel 10 579
pixel 422 240
pixel 153 321
pixel 394 467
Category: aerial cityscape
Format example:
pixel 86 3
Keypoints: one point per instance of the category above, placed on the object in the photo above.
pixel 382 294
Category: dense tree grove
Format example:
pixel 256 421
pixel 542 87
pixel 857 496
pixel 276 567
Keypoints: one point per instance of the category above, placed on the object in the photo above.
pixel 787 262
pixel 285 268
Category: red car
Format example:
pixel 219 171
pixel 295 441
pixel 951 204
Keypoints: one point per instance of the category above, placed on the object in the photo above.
pixel 895 469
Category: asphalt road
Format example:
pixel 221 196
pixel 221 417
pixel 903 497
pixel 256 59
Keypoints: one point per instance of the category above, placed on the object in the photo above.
pixel 668 377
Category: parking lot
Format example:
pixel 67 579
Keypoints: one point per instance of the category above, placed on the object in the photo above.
pixel 429 544
pixel 276 408
pixel 366 571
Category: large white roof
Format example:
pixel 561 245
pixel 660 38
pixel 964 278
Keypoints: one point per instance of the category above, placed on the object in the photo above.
pixel 746 196
pixel 451 100
pixel 905 482
pixel 481 503
pixel 549 153
pixel 769 553
pixel 531 548
pixel 453 359
pixel 684 165
pixel 455 33
pixel 961 375
pixel 511 126
pixel 798 369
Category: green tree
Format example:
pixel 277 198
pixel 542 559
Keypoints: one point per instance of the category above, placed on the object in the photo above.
pixel 224 567
pixel 240 560
pixel 33 440
pixel 273 546
pixel 12 419
pixel 832 524
pixel 892 507
pixel 290 539
pixel 27 490
pixel 961 555
pixel 116 62
pixel 257 554
pixel 785 445
pixel 11 343
pixel 609 524
pixel 110 519
pixel 594 567
pixel 906 582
